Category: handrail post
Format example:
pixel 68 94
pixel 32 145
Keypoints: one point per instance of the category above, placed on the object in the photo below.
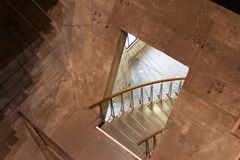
pixel 179 87
pixel 122 104
pixel 132 100
pixel 147 150
pixel 160 96
pixel 151 95
pixel 170 90
pixel 142 97
pixel 112 108
pixel 101 113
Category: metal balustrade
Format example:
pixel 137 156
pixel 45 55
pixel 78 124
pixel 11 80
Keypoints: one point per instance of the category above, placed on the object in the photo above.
pixel 138 96
pixel 145 94
pixel 147 139
pixel 47 141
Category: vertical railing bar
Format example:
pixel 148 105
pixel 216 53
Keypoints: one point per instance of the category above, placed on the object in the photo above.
pixel 112 108
pixel 161 92
pixel 179 87
pixel 142 97
pixel 101 113
pixel 122 103
pixel 151 95
pixel 130 103
pixel 147 150
pixel 170 90
pixel 132 99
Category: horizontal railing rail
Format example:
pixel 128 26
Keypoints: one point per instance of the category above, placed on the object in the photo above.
pixel 135 87
pixel 46 140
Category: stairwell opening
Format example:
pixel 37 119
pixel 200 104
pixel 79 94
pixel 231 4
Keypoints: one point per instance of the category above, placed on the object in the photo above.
pixel 145 90
pixel 141 63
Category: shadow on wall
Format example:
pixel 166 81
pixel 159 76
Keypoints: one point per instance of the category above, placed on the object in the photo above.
pixel 233 5
pixel 23 24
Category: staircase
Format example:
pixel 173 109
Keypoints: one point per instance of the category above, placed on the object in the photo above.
pixel 136 117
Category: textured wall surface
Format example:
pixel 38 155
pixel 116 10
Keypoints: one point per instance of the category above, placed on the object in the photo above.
pixel 57 58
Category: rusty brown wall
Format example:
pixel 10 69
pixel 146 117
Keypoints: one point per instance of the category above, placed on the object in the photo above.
pixel 204 36
pixel 76 52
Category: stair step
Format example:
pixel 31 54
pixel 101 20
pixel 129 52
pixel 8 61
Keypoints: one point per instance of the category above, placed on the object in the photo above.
pixel 143 120
pixel 124 128
pixel 150 143
pixel 135 125
pixel 156 121
pixel 165 106
pixel 163 115
pixel 170 102
pixel 123 139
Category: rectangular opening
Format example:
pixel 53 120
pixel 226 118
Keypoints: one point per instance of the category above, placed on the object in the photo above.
pixel 145 90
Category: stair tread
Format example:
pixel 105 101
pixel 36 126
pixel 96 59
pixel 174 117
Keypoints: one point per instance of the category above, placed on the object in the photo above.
pixel 126 129
pixel 156 121
pixel 165 106
pixel 170 102
pixel 156 109
pixel 123 139
pixel 143 120
pixel 135 125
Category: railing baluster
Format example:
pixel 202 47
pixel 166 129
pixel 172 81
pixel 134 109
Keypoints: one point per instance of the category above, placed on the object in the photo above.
pixel 122 103
pixel 132 99
pixel 147 150
pixel 112 108
pixel 170 90
pixel 135 87
pixel 101 113
pixel 179 87
pixel 160 96
pixel 151 95
pixel 141 96
pixel 146 140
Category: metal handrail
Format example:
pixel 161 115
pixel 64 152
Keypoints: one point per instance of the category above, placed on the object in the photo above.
pixel 132 88
pixel 44 137
pixel 108 103
pixel 149 137
pixel 148 151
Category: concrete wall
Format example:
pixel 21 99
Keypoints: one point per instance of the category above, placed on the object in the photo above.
pixel 70 67
pixel 205 37
pixel 78 61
